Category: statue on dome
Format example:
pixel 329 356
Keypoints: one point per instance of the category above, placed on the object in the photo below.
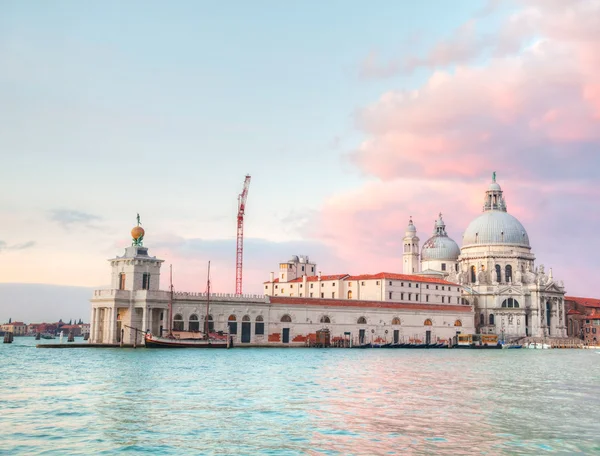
pixel 494 176
pixel 137 233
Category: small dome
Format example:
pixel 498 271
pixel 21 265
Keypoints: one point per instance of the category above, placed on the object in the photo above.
pixel 494 187
pixel 137 232
pixel 495 227
pixel 411 227
pixel 440 248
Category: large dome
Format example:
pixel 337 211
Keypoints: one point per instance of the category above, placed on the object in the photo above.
pixel 495 227
pixel 440 248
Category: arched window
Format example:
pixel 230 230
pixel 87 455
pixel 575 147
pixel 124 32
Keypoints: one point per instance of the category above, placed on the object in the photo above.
pixel 498 273
pixel 395 321
pixel 246 318
pixel 481 319
pixel 211 324
pixel 177 322
pixel 325 319
pixel 194 324
pixel 510 303
pixel 259 326
pixel 232 323
pixel 473 274
pixel 491 319
pixel 428 322
pixel 458 323
pixel 349 294
pixel 508 273
pixel 361 321
pixel 286 319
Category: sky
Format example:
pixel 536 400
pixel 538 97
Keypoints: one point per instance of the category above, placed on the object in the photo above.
pixel 350 116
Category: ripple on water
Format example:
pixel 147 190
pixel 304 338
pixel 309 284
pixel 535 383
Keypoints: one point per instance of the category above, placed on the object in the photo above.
pixel 91 401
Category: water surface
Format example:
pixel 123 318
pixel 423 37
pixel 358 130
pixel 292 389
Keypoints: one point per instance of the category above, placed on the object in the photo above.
pixel 297 401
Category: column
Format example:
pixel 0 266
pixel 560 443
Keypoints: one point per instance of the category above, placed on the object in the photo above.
pixel 92 322
pixel 113 324
pixel 144 318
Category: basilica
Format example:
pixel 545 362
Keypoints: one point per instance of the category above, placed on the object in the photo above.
pixel 495 268
pixel 490 285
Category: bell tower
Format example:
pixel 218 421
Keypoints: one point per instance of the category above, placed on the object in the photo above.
pixel 410 252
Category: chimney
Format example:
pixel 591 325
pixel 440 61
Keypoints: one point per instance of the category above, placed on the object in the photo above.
pixel 272 277
pixel 319 275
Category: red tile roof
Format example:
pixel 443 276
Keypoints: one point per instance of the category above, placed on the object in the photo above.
pixel 586 302
pixel 380 275
pixel 369 304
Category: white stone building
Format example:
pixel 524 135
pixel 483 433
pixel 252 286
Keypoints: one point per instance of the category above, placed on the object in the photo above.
pixel 376 308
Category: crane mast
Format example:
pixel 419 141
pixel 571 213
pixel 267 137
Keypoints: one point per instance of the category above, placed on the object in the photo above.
pixel 240 236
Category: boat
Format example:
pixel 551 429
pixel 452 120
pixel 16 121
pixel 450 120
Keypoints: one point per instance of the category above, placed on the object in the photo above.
pixel 206 339
pixel 478 341
pixel 47 336
pixel 539 346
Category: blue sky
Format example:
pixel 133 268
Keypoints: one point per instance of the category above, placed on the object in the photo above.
pixel 112 108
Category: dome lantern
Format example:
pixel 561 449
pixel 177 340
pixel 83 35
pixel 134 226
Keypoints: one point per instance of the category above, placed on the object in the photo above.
pixel 494 201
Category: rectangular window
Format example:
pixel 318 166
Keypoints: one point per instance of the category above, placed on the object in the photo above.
pixel 416 297
pixel 121 281
pixel 409 296
pixel 311 295
pixel 442 287
pixel 300 294
pixel 276 286
pixel 443 266
pixel 349 284
pixel 311 285
pixel 426 298
pixel 436 287
pixel 402 296
pixel 442 300
pixel 291 294
pixel 291 285
pixel 416 285
pixel 334 284
pixel 282 290
pixel 302 268
pixel 390 282
pixel 300 285
pixel 390 295
pixel 259 328
pixel 312 269
pixel 333 295
pixel 322 295
pixel 266 287
pixel 146 281
pixel 409 285
pixel 362 283
pixel 377 283
pixel 401 284
pixel 322 284
pixel 427 286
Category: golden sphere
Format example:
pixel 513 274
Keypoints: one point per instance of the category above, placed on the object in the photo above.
pixel 137 232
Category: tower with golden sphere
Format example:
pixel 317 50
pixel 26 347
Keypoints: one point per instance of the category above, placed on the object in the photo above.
pixel 136 270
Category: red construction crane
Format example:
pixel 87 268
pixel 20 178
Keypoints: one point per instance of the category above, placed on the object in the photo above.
pixel 240 236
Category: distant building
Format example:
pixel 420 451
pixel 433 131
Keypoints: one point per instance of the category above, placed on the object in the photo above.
pixel 578 311
pixel 18 328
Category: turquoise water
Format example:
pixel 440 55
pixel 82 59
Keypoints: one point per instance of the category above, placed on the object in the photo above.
pixel 298 401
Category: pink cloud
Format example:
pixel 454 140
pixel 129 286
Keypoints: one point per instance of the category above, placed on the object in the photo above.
pixel 531 115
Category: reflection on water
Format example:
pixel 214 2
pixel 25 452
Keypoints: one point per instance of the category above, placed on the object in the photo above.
pixel 303 401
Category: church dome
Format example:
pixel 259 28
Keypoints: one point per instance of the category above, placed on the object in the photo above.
pixel 495 227
pixel 440 246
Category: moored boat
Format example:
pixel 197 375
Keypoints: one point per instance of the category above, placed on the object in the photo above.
pixel 478 341
pixel 205 339
pixel 152 341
